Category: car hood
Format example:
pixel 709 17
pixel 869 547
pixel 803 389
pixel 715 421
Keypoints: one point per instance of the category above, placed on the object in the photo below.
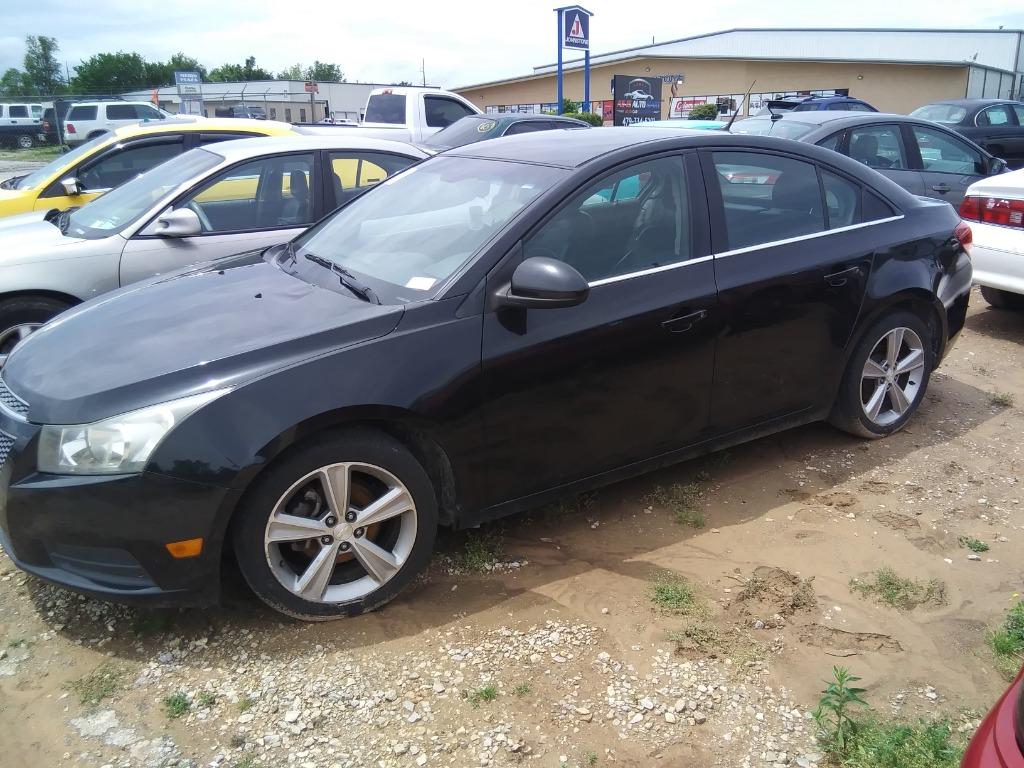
pixel 180 335
pixel 28 236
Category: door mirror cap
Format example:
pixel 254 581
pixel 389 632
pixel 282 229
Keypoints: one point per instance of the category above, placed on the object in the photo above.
pixel 182 222
pixel 543 283
pixel 996 166
pixel 71 185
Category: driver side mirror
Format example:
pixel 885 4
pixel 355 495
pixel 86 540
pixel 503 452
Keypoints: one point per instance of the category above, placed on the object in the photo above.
pixel 182 222
pixel 543 283
pixel 996 166
pixel 71 185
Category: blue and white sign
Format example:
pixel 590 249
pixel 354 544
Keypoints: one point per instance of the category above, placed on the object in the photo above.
pixel 576 28
pixel 187 78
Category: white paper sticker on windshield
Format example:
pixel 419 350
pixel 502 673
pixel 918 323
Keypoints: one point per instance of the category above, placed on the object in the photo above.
pixel 421 283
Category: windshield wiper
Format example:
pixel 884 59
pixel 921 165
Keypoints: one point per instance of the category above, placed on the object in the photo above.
pixel 347 279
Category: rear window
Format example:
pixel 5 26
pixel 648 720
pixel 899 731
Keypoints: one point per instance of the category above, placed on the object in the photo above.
pixel 386 108
pixel 941 113
pixel 19 110
pixel 784 129
pixel 82 113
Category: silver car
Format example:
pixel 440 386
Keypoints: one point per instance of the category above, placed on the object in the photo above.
pixel 209 202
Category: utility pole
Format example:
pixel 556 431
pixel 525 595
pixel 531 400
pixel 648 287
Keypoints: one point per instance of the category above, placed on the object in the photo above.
pixel 423 71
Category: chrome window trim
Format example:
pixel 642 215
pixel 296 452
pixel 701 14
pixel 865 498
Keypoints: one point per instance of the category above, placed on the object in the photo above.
pixel 649 271
pixel 811 236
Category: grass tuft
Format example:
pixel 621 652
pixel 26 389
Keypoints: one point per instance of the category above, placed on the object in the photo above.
pixel 1007 641
pixel 98 684
pixel 523 689
pixel 681 499
pixel 924 744
pixel 485 693
pixel 176 705
pixel 206 699
pixel 481 549
pixel 899 592
pixel 973 544
pixel 1001 399
pixel 671 593
pixel 245 704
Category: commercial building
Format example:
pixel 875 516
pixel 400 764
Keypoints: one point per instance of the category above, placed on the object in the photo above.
pixel 896 70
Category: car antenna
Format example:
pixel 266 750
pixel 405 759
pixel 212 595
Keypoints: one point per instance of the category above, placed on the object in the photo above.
pixel 746 102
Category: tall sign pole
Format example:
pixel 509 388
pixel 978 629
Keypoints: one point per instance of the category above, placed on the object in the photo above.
pixel 574 33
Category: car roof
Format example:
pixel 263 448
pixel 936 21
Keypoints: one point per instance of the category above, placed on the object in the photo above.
pixel 973 102
pixel 242 149
pixel 838 115
pixel 185 125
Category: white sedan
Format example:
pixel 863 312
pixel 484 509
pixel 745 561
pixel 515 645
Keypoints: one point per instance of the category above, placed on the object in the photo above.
pixel 995 209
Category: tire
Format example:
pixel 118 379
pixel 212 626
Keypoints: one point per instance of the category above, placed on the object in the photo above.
pixel 859 389
pixel 24 141
pixel 1002 299
pixel 21 315
pixel 377 465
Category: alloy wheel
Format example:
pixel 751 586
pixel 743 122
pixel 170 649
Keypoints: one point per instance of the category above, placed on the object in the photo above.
pixel 892 376
pixel 340 532
pixel 25 142
pixel 9 338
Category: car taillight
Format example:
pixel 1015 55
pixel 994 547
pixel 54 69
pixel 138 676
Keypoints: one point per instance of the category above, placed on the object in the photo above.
pixel 993 210
pixel 69 128
pixel 964 235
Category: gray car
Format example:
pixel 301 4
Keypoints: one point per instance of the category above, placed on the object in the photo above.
pixel 921 156
pixel 206 203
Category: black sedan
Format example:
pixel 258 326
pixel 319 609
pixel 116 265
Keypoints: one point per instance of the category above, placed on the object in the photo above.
pixel 496 326
pixel 995 124
pixel 474 128
pixel 922 157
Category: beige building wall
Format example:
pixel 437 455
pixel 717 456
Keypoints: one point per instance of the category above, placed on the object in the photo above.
pixel 897 88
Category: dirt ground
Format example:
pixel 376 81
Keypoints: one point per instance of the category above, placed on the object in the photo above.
pixel 556 656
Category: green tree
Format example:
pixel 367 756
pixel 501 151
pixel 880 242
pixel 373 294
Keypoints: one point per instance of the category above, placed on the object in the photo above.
pixel 227 73
pixel 294 72
pixel 323 72
pixel 162 72
pixel 42 70
pixel 12 83
pixel 111 73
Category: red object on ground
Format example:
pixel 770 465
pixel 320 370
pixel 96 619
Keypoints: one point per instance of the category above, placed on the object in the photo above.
pixel 996 744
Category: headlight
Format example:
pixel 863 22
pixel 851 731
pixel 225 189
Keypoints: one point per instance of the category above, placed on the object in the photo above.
pixel 118 445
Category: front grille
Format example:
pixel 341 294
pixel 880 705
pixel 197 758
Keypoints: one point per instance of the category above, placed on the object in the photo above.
pixel 11 401
pixel 6 443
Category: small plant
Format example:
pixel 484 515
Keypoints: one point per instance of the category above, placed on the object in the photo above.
pixel 480 550
pixel 486 693
pixel 973 544
pixel 832 714
pixel 176 705
pixel 897 591
pixel 245 704
pixel 521 690
pixel 98 684
pixel 246 762
pixel 681 500
pixel 673 594
pixel 591 758
pixel 923 744
pixel 1001 399
pixel 1007 640
pixel 20 643
pixel 237 741
pixel 206 699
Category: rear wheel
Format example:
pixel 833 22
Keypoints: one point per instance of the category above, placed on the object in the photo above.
pixel 22 315
pixel 1002 299
pixel 886 378
pixel 25 141
pixel 338 528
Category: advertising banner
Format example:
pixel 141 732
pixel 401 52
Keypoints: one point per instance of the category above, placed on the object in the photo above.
pixel 637 99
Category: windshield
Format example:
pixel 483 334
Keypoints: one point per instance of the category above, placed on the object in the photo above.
pixel 40 175
pixel 408 234
pixel 126 203
pixel 941 113
pixel 465 131
pixel 783 129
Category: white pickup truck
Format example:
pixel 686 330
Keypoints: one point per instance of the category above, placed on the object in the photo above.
pixel 410 114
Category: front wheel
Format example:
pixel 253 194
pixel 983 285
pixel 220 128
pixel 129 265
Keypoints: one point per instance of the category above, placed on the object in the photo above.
pixel 337 528
pixel 22 315
pixel 1002 299
pixel 25 141
pixel 886 378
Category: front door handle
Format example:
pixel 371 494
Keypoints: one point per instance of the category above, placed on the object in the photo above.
pixel 839 279
pixel 941 187
pixel 685 322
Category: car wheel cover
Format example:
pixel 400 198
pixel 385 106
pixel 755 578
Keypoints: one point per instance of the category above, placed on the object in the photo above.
pixel 340 532
pixel 25 142
pixel 9 338
pixel 892 377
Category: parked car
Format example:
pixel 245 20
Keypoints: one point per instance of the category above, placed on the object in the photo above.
pixel 21 125
pixel 49 124
pixel 698 125
pixel 997 742
pixel 473 128
pixel 816 104
pixel 211 201
pixel 995 124
pixel 995 209
pixel 412 114
pixel 86 120
pixel 499 325
pixel 922 157
pixel 243 111
pixel 86 172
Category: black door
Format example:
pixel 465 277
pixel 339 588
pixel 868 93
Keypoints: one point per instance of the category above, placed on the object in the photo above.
pixel 626 374
pixel 789 288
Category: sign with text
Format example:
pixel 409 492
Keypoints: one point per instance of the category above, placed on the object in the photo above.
pixel 312 87
pixel 190 92
pixel 637 99
pixel 575 28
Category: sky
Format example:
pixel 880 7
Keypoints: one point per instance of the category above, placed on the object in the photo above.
pixel 461 42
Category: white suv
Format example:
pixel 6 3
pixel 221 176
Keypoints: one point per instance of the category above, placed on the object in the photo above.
pixel 21 125
pixel 88 119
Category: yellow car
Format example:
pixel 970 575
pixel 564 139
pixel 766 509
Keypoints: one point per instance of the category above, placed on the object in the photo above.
pixel 97 166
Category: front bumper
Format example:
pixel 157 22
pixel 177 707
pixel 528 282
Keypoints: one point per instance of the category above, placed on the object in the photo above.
pixel 106 536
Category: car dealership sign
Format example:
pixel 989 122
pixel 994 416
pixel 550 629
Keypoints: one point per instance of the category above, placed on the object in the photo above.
pixel 575 28
pixel 637 99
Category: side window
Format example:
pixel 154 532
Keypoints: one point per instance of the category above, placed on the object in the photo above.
pixel 997 115
pixel 833 142
pixel 605 232
pixel 37 111
pixel 528 126
pixel 355 171
pixel 875 208
pixel 767 198
pixel 121 112
pixel 878 146
pixel 267 193
pixel 116 168
pixel 842 200
pixel 19 110
pixel 942 153
pixel 1020 113
pixel 82 113
pixel 856 106
pixel 442 111
pixel 213 138
pixel 146 112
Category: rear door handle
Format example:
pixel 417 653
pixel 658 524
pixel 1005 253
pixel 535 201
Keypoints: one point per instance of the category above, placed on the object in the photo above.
pixel 685 322
pixel 839 279
pixel 942 187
